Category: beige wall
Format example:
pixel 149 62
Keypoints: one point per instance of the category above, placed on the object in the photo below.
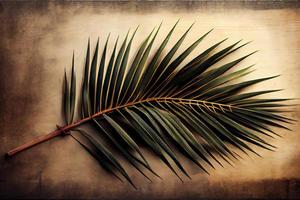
pixel 36 44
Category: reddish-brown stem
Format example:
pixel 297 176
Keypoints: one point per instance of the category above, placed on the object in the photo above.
pixel 34 142
pixel 65 129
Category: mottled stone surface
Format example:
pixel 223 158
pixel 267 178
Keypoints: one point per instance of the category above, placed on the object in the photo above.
pixel 36 44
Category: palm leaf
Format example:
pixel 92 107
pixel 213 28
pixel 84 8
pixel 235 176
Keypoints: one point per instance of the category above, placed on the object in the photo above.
pixel 169 108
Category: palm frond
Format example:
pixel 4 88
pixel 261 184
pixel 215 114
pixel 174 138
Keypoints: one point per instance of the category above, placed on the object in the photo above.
pixel 170 108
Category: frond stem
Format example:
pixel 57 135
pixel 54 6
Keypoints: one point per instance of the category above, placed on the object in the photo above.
pixel 65 129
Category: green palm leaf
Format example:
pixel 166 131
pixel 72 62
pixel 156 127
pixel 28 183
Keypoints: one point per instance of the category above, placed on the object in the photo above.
pixel 196 110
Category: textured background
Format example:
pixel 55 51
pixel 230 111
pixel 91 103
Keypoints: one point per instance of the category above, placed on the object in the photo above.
pixel 36 44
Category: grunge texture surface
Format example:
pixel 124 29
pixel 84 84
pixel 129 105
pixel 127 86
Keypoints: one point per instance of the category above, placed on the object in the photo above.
pixel 36 44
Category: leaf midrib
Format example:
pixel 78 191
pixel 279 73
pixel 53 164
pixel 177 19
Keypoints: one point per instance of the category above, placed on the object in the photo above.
pixel 156 99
